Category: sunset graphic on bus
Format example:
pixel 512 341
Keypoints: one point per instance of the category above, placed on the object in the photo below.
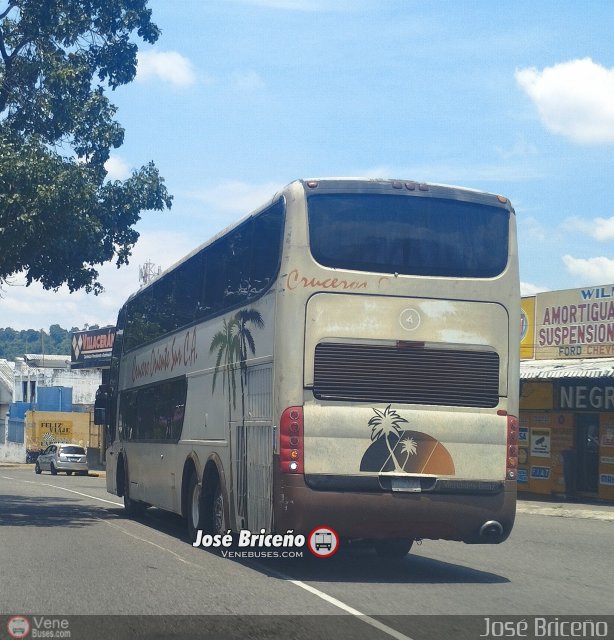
pixel 394 449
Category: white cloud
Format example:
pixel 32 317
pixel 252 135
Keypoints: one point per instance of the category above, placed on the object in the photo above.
pixel 168 66
pixel 34 308
pixel 531 229
pixel 529 289
pixel 247 81
pixel 117 168
pixel 236 197
pixel 574 99
pixel 521 149
pixel 592 270
pixel 515 169
pixel 601 229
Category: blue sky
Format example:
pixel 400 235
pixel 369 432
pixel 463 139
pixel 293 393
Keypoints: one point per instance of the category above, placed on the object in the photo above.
pixel 240 97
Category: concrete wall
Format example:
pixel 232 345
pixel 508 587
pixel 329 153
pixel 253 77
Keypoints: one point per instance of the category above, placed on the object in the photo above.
pixel 13 452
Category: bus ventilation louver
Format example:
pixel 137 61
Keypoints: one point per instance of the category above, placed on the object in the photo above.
pixel 385 373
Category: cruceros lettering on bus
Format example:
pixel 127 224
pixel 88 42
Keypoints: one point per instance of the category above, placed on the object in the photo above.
pixel 167 358
pixel 295 281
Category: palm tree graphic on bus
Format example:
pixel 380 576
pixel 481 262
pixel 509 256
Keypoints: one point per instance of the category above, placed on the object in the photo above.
pixel 398 450
pixel 234 343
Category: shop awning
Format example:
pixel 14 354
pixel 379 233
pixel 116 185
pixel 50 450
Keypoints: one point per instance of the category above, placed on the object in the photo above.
pixel 579 368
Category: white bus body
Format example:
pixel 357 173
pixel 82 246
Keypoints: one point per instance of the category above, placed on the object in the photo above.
pixel 361 374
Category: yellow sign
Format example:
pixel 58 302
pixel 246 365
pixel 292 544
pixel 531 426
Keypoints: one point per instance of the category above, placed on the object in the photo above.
pixel 536 395
pixel 46 427
pixel 527 328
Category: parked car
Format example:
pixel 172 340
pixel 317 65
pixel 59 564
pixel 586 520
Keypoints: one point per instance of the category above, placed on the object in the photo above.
pixel 62 456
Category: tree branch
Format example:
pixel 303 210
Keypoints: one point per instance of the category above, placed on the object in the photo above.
pixel 8 10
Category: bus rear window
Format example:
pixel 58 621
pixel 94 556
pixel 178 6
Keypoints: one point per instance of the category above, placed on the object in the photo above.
pixel 410 235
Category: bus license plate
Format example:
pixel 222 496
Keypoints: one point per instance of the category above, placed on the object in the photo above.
pixel 406 484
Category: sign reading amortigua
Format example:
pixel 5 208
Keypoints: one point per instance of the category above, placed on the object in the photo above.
pixel 575 323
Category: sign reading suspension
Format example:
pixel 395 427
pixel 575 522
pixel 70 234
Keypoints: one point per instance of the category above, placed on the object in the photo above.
pixel 575 323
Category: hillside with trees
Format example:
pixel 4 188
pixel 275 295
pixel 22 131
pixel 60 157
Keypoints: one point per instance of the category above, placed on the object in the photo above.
pixel 14 343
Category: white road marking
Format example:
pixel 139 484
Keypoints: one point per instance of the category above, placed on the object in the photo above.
pixel 85 495
pixel 341 605
pixel 298 583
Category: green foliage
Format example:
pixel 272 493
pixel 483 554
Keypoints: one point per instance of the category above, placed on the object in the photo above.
pixel 59 216
pixel 14 344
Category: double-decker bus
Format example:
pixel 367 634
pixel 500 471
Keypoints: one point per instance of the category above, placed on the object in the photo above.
pixel 345 356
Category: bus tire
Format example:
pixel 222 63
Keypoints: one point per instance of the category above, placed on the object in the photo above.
pixel 214 506
pixel 132 508
pixel 393 549
pixel 218 518
pixel 194 507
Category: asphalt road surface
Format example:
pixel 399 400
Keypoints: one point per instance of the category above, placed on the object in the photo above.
pixel 68 550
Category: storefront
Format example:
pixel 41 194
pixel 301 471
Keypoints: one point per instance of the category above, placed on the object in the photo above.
pixel 567 428
pixel 567 393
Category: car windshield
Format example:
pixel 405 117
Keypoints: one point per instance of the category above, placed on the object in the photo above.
pixel 73 450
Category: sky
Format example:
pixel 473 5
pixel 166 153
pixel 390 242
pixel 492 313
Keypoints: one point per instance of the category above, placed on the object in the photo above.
pixel 240 97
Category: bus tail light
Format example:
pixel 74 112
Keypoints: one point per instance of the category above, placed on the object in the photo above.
pixel 511 452
pixel 291 440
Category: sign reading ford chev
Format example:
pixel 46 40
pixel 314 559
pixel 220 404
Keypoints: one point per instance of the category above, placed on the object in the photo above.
pixel 92 348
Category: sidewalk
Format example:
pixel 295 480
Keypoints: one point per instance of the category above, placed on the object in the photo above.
pixel 94 472
pixel 545 506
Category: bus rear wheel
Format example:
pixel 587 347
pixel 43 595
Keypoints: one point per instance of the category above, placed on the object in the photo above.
pixel 392 549
pixel 218 519
pixel 194 510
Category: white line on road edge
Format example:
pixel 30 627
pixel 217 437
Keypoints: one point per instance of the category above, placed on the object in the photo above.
pixel 324 596
pixel 85 495
pixel 341 605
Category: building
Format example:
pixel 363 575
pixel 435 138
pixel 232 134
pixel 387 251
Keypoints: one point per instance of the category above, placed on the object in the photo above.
pixel 46 401
pixel 567 393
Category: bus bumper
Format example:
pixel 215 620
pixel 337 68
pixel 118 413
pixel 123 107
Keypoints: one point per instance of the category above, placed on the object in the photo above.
pixel 471 518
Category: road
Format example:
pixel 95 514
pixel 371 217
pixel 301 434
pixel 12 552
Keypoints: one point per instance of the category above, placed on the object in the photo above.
pixel 68 550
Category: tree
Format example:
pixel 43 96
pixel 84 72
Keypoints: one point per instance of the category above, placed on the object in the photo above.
pixel 59 215
pixel 385 424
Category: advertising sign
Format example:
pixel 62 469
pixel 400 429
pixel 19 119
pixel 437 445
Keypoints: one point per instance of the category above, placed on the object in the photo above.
pixel 527 328
pixel 575 323
pixel 92 348
pixel 540 473
pixel 540 443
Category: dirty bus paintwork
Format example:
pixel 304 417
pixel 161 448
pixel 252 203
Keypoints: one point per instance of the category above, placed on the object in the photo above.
pixel 339 358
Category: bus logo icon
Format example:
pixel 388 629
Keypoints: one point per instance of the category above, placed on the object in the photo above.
pixel 18 626
pixel 323 542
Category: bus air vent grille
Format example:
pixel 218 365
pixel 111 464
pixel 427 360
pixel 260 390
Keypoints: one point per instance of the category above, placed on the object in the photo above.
pixel 384 373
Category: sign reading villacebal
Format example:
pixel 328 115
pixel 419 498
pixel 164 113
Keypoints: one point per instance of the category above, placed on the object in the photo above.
pixel 92 348
pixel 575 323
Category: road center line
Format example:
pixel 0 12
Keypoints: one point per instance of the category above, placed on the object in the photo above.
pixel 316 592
